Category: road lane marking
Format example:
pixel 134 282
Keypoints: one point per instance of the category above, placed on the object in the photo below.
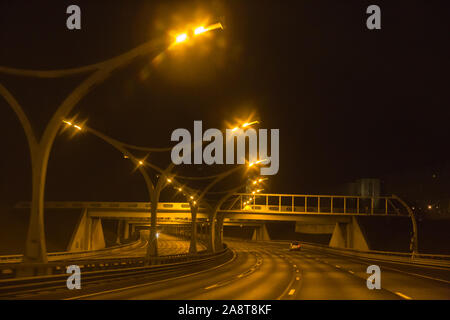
pixel 403 296
pixel 291 292
pixel 371 260
pixel 338 266
pixel 210 287
pixel 155 282
pixel 350 271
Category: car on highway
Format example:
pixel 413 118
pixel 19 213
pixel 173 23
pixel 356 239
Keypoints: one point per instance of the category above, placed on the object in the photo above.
pixel 295 245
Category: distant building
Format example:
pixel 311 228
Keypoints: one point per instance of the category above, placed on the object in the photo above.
pixel 367 187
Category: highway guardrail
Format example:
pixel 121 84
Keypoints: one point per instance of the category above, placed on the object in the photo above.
pixel 54 256
pixel 118 269
pixel 424 259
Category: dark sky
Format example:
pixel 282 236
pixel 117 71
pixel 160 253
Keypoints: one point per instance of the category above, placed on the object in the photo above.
pixel 349 102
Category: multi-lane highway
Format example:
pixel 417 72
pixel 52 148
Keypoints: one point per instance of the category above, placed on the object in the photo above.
pixel 167 245
pixel 270 271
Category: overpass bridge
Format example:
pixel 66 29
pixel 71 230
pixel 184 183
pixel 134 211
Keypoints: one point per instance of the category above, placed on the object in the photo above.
pixel 330 214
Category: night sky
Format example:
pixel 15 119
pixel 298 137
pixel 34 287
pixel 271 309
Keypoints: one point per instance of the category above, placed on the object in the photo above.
pixel 350 103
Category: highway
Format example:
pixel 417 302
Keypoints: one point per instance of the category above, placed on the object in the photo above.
pixel 270 271
pixel 167 245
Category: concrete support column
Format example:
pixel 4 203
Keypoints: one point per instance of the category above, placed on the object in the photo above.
pixel 133 230
pixel 349 235
pixel 35 246
pixel 126 230
pixel 261 234
pixel 219 233
pixel 193 244
pixel 88 234
pixel 119 231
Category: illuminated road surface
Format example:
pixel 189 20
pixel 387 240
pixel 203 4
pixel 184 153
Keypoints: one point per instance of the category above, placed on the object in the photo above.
pixel 167 245
pixel 270 271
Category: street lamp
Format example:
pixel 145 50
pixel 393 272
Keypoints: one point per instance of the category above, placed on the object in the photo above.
pixel 244 125
pixel 183 37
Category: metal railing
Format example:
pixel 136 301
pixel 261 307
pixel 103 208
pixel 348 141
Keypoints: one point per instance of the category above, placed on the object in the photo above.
pixel 263 203
pixel 97 271
pixel 54 256
pixel 317 204
pixel 425 259
pixel 183 206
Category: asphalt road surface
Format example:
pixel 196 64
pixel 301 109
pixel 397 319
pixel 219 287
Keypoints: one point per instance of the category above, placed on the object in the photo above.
pixel 270 271
pixel 167 245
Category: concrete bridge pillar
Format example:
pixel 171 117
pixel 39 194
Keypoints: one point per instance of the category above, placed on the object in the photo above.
pixel 193 243
pixel 349 235
pixel 133 229
pixel 260 233
pixel 119 231
pixel 219 232
pixel 126 230
pixel 88 234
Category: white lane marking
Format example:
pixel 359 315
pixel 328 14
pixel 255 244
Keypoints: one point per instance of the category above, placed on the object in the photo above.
pixel 152 283
pixel 400 271
pixel 417 275
pixel 291 292
pixel 210 287
pixel 403 296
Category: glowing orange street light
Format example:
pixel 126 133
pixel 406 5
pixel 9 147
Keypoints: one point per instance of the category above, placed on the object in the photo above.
pixel 249 124
pixel 251 164
pixel 199 30
pixel 244 125
pixel 181 38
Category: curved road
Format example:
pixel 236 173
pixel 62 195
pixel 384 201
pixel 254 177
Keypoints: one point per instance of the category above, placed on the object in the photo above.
pixel 167 245
pixel 270 271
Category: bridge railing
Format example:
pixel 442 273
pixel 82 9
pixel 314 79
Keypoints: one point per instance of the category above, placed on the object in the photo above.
pixel 62 255
pixel 425 259
pixel 108 205
pixel 317 204
pixel 47 270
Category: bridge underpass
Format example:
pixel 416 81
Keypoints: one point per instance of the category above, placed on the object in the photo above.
pixel 313 214
pixel 262 269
